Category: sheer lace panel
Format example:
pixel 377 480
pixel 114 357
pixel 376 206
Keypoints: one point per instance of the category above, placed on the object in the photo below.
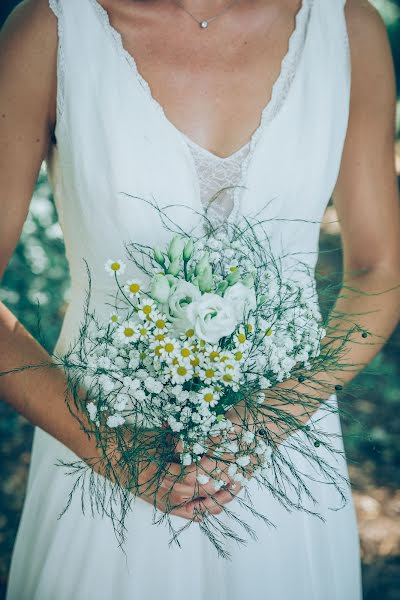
pixel 214 174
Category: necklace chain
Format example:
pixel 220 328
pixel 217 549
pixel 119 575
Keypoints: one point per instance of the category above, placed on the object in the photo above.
pixel 205 22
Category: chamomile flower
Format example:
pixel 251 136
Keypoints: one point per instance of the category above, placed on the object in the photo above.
pixel 208 373
pixel 185 352
pixel 144 330
pixel 240 338
pixel 213 354
pixel 128 332
pixel 208 396
pixel 180 372
pixel 115 267
pixel 169 349
pixel 160 324
pixel 114 318
pixel 133 288
pixel 147 309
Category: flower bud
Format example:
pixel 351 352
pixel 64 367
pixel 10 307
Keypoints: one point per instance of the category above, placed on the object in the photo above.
pixel 159 257
pixel 205 280
pixel 233 277
pixel 175 248
pixel 160 289
pixel 222 287
pixel 202 264
pixel 188 250
pixel 248 280
pixel 174 267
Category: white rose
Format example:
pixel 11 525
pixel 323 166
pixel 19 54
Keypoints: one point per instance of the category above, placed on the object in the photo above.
pixel 242 298
pixel 182 295
pixel 212 318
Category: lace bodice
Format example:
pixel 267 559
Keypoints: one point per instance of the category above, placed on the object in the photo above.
pixel 215 174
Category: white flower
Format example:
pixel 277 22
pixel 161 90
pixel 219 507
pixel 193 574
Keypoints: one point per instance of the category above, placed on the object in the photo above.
pixel 175 425
pixel 218 484
pixel 114 318
pixel 160 288
pixel 168 349
pixel 199 449
pixel 186 459
pixel 146 309
pixel 115 267
pixel 128 332
pixel 211 317
pixel 209 396
pixel 180 372
pixel 242 298
pixel 133 287
pixel 232 469
pixel 182 295
pixel 248 437
pixel 243 461
pixel 92 410
pixel 115 420
pixel 202 478
pixel 104 362
pixel 106 383
pixel 239 477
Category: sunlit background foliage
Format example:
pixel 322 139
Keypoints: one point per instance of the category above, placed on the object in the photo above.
pixel 36 286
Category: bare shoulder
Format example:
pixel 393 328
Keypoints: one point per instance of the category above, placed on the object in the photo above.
pixel 372 63
pixel 28 55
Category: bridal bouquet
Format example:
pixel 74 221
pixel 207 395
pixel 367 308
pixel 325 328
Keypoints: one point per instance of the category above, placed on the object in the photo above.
pixel 199 333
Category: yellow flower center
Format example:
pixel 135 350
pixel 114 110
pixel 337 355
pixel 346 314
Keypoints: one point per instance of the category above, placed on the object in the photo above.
pixel 208 397
pixel 147 309
pixel 224 359
pixel 268 332
pixel 182 371
pixel 249 327
pixel 143 331
pixel 160 323
pixel 185 352
pixel 241 338
pixel 238 355
pixel 169 348
pixel 115 266
pixel 230 367
pixel 157 350
pixel 114 318
pixel 233 269
pixel 227 377
pixel 214 356
pixel 189 333
pixel 128 332
pixel 195 361
pixel 134 288
pixel 209 373
pixel 159 337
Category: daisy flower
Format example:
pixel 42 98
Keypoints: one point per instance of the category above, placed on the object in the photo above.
pixel 209 373
pixel 128 332
pixel 160 324
pixel 115 267
pixel 147 309
pixel 180 372
pixel 114 318
pixel 133 287
pixel 144 330
pixel 169 349
pixel 208 396
pixel 185 352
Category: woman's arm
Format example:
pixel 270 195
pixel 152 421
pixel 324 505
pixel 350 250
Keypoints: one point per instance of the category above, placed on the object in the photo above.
pixel 367 203
pixel 28 49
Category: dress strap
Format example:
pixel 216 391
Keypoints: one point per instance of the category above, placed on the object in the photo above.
pixel 56 7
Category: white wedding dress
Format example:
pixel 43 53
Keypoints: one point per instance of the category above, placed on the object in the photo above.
pixel 112 137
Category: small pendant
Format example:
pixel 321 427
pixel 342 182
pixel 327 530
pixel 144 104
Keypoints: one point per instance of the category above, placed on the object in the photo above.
pixel 203 24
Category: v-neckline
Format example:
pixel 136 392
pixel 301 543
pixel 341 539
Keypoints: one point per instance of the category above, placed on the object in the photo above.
pixel 267 112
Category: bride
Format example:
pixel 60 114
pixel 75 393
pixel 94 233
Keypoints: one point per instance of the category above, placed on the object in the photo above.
pixel 292 102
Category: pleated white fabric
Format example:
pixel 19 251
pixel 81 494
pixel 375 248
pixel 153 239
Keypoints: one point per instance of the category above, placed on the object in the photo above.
pixel 112 137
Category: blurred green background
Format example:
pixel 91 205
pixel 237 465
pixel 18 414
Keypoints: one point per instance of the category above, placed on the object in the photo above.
pixel 38 276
